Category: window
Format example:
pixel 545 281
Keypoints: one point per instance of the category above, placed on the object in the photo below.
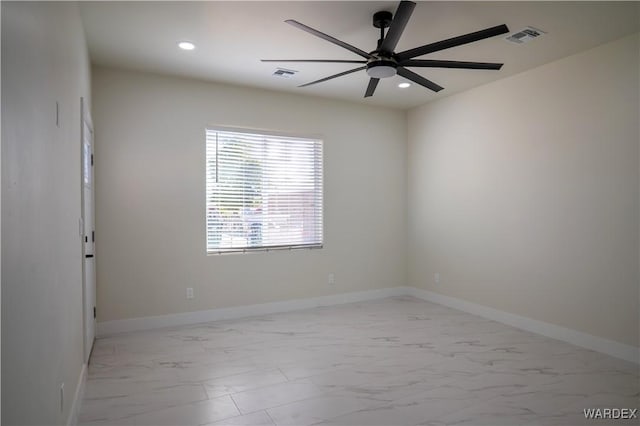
pixel 264 191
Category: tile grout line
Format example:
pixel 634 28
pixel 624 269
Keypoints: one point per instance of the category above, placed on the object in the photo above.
pixel 236 404
pixel 269 415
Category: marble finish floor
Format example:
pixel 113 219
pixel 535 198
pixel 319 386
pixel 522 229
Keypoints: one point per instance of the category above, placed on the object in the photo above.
pixel 395 361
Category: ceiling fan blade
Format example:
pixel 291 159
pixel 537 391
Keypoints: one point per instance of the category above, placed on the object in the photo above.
pixel 328 38
pixel 410 75
pixel 328 61
pixel 373 83
pixel 427 63
pixel 400 20
pixel 452 42
pixel 333 76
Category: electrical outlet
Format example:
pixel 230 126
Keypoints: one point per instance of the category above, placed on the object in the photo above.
pixel 436 277
pixel 189 292
pixel 331 279
pixel 62 398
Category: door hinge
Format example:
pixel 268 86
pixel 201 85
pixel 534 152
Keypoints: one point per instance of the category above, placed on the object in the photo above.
pixel 93 236
pixel 94 312
pixel 92 159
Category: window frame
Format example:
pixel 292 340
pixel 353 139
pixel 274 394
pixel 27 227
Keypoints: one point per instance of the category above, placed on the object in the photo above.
pixel 267 133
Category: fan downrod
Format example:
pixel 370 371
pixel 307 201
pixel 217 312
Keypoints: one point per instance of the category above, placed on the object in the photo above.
pixel 382 20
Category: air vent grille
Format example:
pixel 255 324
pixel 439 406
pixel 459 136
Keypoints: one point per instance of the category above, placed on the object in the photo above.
pixel 525 36
pixel 284 73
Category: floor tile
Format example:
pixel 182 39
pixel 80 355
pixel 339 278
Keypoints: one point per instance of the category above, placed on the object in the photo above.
pixel 259 418
pixel 190 414
pixel 316 409
pixel 243 382
pixel 275 395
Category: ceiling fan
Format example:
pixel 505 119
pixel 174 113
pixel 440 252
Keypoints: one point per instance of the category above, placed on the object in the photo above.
pixel 384 62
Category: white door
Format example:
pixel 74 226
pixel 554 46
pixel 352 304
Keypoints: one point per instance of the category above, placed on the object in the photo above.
pixel 88 238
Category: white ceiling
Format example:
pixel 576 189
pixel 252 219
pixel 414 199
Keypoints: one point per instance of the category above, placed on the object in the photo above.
pixel 232 37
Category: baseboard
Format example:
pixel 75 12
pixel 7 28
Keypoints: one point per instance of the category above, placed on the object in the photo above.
pixel 147 323
pixel 578 338
pixel 77 397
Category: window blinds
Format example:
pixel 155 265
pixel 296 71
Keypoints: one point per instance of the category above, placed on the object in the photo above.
pixel 263 191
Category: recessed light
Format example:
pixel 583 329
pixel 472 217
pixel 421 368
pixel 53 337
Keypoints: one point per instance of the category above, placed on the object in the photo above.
pixel 186 45
pixel 404 85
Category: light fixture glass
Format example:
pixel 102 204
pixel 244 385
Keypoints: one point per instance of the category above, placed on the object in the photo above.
pixel 381 71
pixel 186 45
pixel 404 85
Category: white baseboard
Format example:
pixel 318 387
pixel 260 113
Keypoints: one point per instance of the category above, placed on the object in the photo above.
pixel 578 338
pixel 146 323
pixel 77 397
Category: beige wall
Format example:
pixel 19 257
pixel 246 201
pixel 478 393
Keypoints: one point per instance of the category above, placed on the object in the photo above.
pixel 523 194
pixel 150 202
pixel 44 60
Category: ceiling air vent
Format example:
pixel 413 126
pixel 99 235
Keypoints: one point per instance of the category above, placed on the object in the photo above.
pixel 284 73
pixel 525 36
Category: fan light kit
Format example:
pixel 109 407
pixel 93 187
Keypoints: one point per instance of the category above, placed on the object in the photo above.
pixel 381 69
pixel 186 45
pixel 384 62
pixel 404 85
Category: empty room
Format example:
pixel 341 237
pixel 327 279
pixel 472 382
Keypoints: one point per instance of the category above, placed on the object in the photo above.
pixel 299 213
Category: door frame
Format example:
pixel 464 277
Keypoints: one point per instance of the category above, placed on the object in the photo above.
pixel 85 119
